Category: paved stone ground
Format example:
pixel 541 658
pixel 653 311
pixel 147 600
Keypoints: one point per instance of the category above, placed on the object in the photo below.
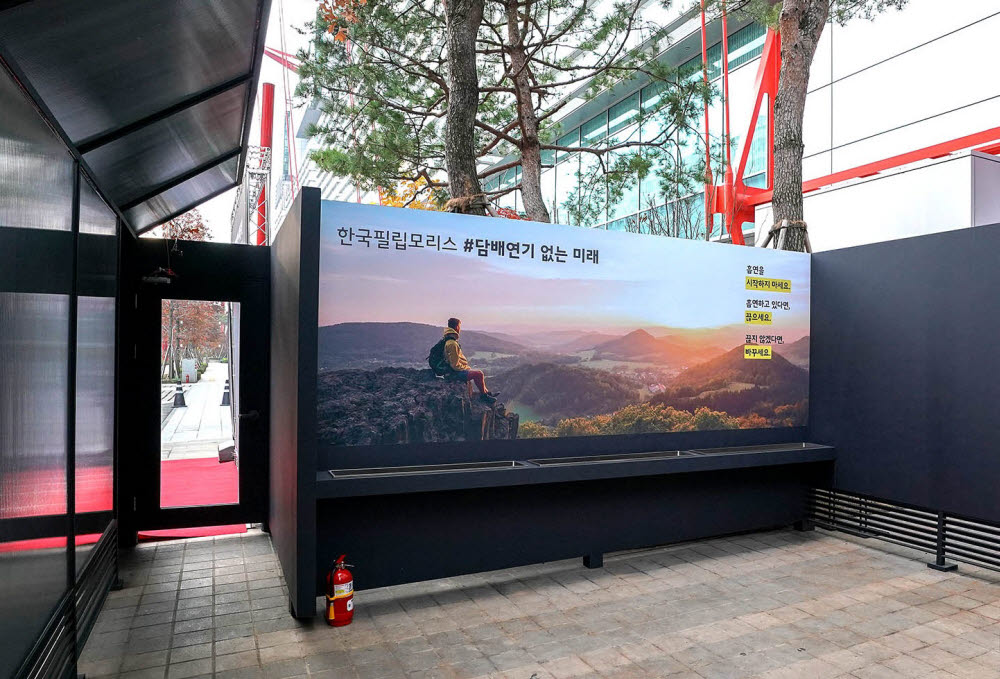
pixel 777 605
pixel 196 430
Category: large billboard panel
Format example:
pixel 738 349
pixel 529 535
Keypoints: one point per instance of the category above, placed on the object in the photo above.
pixel 569 331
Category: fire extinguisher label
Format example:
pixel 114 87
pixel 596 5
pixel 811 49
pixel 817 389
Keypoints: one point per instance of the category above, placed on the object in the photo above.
pixel 343 589
pixel 350 604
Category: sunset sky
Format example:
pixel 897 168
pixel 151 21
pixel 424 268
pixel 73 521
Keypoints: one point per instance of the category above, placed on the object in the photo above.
pixel 639 281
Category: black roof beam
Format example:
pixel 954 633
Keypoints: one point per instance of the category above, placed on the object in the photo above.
pixel 180 179
pixel 91 143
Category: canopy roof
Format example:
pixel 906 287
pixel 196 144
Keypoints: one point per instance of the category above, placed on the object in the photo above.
pixel 153 96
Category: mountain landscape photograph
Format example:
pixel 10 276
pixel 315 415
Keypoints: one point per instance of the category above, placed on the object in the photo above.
pixel 649 340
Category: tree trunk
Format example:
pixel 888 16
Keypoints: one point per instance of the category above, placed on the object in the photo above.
pixel 801 24
pixel 527 118
pixel 463 19
pixel 170 340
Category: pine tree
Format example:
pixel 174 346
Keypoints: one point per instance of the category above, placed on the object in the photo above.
pixel 396 82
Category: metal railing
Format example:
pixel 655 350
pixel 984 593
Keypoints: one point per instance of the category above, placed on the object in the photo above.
pixel 946 535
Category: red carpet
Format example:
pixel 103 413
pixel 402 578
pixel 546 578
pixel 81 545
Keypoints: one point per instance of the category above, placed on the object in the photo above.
pixel 200 532
pixel 185 483
pixel 203 481
pixel 193 483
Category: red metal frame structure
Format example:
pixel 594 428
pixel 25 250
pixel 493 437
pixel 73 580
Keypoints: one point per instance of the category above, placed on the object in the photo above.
pixel 709 181
pixel 284 58
pixel 737 201
pixel 260 215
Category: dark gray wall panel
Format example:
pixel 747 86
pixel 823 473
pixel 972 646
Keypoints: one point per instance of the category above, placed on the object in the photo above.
pixel 905 373
pixel 393 539
pixel 294 310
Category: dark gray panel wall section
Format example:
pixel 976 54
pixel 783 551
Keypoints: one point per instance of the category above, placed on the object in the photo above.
pixel 294 324
pixel 395 539
pixel 905 372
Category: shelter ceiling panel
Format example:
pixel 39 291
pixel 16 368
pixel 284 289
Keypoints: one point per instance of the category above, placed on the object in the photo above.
pixel 133 165
pixel 184 196
pixel 100 66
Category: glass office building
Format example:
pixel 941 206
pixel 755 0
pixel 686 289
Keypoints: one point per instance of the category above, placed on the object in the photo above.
pixel 644 206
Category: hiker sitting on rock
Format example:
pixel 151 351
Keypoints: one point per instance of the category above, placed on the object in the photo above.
pixel 447 360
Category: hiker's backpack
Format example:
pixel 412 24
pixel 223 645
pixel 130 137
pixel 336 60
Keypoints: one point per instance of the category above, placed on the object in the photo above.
pixel 437 360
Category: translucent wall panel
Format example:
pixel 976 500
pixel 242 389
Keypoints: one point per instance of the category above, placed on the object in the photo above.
pixel 95 216
pixel 95 407
pixel 134 164
pixel 33 383
pixel 33 391
pixel 36 171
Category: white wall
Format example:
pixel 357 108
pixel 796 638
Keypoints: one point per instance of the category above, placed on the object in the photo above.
pixel 985 189
pixel 904 81
pixel 956 192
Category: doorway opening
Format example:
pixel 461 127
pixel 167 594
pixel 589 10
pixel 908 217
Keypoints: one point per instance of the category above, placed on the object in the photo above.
pixel 198 463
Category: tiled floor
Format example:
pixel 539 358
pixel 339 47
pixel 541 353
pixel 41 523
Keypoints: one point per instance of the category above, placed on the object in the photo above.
pixel 776 605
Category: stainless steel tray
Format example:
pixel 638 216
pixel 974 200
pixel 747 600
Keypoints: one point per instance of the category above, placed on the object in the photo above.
pixel 617 457
pixel 426 469
pixel 771 447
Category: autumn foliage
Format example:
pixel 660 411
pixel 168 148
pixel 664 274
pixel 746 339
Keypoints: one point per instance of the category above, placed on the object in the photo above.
pixel 415 194
pixel 338 15
pixel 190 329
pixel 189 226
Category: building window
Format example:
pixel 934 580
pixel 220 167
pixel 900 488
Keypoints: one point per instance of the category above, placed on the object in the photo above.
pixel 643 206
pixel 571 139
pixel 567 167
pixel 624 113
pixel 595 130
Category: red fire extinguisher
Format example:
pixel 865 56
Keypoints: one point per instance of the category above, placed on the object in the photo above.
pixel 339 594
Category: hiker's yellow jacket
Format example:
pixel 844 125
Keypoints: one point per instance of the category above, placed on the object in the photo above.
pixel 453 351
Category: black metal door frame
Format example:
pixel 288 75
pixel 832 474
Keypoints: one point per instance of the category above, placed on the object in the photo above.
pixel 206 284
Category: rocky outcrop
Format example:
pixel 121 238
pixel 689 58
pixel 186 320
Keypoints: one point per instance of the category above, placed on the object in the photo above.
pixel 404 405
